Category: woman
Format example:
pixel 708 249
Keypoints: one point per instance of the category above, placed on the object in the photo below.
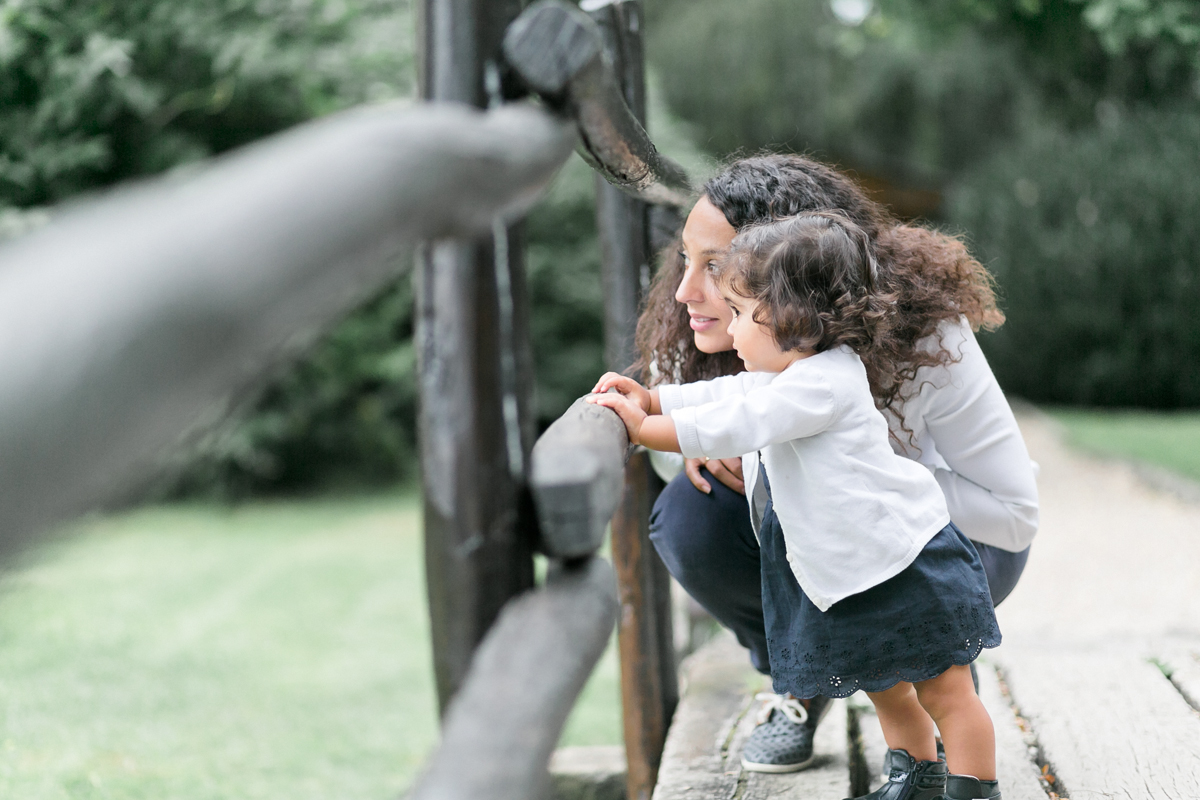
pixel 930 380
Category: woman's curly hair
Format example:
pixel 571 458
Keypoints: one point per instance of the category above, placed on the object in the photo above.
pixel 931 275
pixel 813 279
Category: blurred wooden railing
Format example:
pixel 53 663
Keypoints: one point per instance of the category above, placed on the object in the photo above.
pixel 134 317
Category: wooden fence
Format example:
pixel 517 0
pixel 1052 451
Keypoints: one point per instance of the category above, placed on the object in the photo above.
pixel 128 319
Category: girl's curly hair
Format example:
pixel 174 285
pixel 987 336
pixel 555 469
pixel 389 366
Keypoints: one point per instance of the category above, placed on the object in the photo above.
pixel 813 278
pixel 930 274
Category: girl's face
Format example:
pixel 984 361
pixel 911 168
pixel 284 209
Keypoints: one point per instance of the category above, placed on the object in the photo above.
pixel 706 236
pixel 754 342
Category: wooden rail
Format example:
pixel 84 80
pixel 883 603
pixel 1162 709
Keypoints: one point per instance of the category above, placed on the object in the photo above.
pixel 130 318
pixel 560 53
pixel 576 479
pixel 133 317
pixel 505 721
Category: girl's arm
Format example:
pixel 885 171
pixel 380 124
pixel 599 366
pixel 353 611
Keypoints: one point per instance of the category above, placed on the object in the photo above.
pixel 647 400
pixel 796 405
pixel 673 396
pixel 654 431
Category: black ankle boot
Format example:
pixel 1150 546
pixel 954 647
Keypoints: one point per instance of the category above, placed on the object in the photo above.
pixel 966 787
pixel 909 779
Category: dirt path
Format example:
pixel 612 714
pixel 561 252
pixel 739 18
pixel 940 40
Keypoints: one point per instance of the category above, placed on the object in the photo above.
pixel 1115 562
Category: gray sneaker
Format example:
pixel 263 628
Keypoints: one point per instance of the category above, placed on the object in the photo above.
pixel 783 739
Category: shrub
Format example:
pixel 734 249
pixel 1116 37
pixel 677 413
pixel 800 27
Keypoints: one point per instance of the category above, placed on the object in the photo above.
pixel 96 92
pixel 1093 237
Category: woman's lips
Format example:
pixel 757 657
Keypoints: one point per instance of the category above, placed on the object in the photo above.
pixel 702 323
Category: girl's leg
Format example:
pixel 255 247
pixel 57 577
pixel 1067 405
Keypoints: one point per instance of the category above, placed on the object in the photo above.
pixel 966 728
pixel 707 544
pixel 906 725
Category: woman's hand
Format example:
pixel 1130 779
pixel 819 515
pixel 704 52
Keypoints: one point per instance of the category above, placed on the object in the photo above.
pixel 629 411
pixel 727 470
pixel 627 387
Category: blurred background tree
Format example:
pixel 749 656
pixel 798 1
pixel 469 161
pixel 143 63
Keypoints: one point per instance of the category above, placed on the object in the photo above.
pixel 1059 136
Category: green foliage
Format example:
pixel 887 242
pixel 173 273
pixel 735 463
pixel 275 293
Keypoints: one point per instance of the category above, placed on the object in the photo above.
pixel 1093 236
pixel 197 652
pixel 1170 440
pixel 890 96
pixel 96 92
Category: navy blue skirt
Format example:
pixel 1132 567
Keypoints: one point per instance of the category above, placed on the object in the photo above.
pixel 933 615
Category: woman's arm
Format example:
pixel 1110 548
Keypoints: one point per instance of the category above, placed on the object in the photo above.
pixel 973 445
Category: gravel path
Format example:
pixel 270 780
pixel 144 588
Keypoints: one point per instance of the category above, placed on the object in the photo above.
pixel 1115 562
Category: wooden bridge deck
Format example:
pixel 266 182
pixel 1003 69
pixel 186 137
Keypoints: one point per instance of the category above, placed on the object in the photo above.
pixel 1093 694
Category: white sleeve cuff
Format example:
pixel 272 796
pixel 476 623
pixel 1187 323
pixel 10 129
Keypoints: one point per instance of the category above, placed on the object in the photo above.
pixel 687 432
pixel 670 397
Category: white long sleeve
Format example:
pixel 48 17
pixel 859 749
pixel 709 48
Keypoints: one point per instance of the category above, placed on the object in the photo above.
pixel 853 512
pixel 965 433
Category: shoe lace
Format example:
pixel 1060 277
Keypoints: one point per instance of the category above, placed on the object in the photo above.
pixel 787 705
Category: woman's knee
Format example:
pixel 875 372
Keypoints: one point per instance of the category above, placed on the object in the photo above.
pixel 691 529
pixel 1003 569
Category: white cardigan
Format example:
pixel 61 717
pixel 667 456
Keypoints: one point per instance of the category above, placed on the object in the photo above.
pixel 853 512
pixel 966 435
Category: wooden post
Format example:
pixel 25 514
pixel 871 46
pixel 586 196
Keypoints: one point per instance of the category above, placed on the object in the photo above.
pixel 475 376
pixel 649 687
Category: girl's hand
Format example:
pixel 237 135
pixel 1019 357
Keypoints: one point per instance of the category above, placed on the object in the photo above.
pixel 630 413
pixel 727 470
pixel 628 387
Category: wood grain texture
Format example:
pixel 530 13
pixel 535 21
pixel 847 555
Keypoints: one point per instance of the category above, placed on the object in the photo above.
pixel 612 139
pixel 827 779
pixel 1109 723
pixel 501 728
pixel 1015 763
pixel 1183 662
pixel 649 687
pixel 577 476
pixel 871 745
pixel 718 683
pixel 702 757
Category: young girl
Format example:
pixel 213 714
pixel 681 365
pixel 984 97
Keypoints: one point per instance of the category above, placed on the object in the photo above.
pixel 866 583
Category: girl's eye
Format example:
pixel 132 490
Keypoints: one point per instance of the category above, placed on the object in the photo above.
pixel 683 255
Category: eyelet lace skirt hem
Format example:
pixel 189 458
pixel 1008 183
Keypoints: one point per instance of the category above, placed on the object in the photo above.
pixel 935 614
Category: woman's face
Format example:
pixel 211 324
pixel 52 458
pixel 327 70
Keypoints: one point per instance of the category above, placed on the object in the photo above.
pixel 706 236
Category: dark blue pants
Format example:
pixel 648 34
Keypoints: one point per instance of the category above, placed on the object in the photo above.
pixel 708 545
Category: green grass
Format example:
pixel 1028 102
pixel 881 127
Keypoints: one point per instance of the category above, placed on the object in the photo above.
pixel 271 650
pixel 1166 439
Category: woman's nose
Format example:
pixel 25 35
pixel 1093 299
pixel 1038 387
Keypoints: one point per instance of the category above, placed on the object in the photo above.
pixel 691 290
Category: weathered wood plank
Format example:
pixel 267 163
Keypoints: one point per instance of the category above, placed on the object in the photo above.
pixel 1015 766
pixel 556 48
pixel 131 317
pixel 702 757
pixel 649 688
pixel 718 684
pixel 867 773
pixel 827 779
pixel 1183 662
pixel 479 524
pixel 501 727
pixel 577 477
pixel 1110 724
